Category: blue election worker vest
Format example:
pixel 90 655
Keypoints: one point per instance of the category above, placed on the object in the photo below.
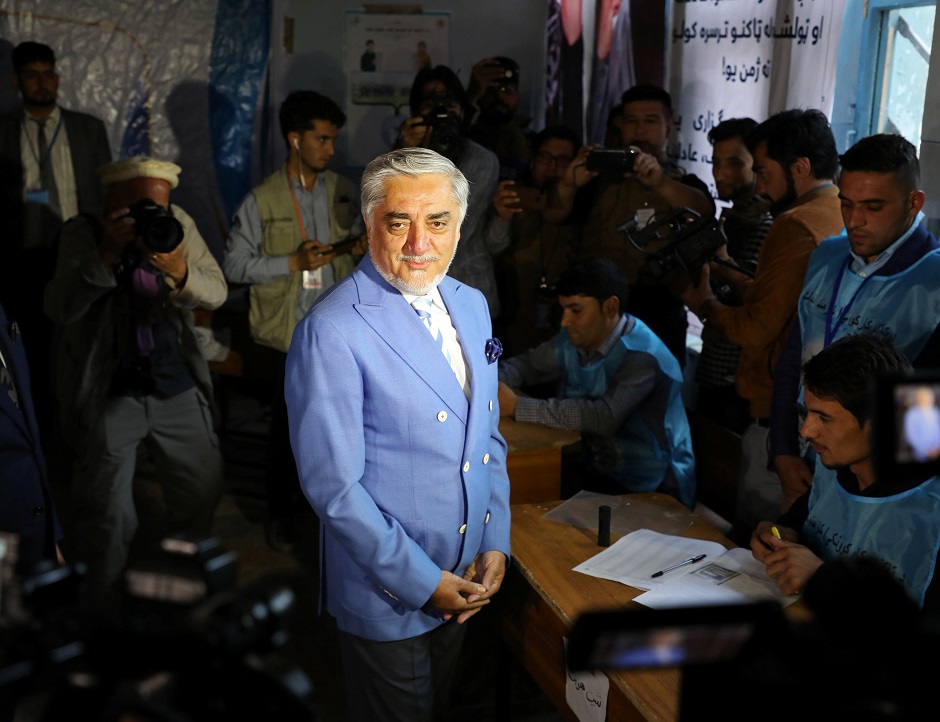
pixel 902 530
pixel 641 462
pixel 904 306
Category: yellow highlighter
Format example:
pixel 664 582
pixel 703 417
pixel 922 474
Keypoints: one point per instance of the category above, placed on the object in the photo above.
pixel 775 532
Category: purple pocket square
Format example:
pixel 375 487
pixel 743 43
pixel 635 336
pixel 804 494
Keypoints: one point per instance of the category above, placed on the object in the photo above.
pixel 494 349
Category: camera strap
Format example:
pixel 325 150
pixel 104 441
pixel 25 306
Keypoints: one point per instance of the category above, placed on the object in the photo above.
pixel 314 278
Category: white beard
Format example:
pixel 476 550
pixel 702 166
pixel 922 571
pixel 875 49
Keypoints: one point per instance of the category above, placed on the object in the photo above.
pixel 418 286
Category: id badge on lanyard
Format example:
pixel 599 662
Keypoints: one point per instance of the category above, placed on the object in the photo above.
pixel 38 196
pixel 313 279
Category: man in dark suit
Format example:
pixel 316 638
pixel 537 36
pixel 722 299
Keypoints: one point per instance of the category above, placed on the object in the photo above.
pixel 26 507
pixel 48 159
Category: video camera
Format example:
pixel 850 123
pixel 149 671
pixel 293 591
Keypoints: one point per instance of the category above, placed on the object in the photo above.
pixel 160 231
pixel 448 134
pixel 862 650
pixel 680 241
pixel 905 411
pixel 177 641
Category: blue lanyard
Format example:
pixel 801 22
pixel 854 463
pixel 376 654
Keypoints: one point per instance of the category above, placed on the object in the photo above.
pixel 830 328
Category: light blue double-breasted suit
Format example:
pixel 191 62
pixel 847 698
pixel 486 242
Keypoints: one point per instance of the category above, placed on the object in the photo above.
pixel 407 477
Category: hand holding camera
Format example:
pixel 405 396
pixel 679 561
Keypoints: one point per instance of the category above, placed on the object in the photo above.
pixel 415 133
pixel 578 172
pixel 506 200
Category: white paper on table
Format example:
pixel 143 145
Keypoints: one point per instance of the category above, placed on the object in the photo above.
pixel 586 693
pixel 734 577
pixel 634 558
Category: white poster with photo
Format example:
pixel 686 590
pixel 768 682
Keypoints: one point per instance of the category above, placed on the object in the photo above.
pixel 748 58
pixel 382 56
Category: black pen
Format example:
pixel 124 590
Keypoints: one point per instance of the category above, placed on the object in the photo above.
pixel 690 560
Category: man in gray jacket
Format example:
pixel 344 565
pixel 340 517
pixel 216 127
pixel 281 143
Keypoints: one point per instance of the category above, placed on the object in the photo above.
pixel 130 372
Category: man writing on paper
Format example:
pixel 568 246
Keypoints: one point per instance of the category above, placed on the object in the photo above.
pixel 848 510
pixel 621 387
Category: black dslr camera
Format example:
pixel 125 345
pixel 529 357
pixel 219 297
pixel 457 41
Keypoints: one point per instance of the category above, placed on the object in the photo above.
pixel 680 241
pixel 445 122
pixel 160 231
pixel 177 640
pixel 616 160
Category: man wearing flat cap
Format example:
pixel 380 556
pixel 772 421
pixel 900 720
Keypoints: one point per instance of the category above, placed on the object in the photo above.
pixel 130 374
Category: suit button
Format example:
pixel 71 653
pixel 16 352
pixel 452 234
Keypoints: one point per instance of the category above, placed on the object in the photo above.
pixel 491 404
pixel 442 416
pixel 38 511
pixel 466 466
pixel 487 520
pixel 462 529
pixel 486 458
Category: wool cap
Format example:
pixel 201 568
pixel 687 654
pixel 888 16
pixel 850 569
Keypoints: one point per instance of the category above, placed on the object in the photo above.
pixel 140 166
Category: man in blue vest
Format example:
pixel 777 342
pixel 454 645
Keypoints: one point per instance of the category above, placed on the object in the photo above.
pixel 849 509
pixel 621 387
pixel 879 276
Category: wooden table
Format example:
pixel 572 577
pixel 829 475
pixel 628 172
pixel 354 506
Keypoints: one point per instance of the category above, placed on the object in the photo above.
pixel 542 597
pixel 534 459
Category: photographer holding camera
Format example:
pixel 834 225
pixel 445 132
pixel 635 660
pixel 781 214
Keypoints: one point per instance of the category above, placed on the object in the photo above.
pixel 438 107
pixel 494 91
pixel 129 369
pixel 645 184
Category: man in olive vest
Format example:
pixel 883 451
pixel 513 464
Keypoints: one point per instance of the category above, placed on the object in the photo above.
pixel 281 242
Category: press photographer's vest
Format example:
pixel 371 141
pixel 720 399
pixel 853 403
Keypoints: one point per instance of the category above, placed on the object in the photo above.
pixel 902 530
pixel 903 305
pixel 272 314
pixel 641 462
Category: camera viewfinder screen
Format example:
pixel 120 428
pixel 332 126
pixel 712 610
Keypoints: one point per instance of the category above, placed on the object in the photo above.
pixel 917 422
pixel 669 646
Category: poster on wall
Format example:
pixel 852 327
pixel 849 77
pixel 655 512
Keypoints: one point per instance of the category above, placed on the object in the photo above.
pixel 751 58
pixel 382 55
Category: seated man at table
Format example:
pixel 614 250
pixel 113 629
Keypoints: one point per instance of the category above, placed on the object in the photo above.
pixel 619 386
pixel 848 510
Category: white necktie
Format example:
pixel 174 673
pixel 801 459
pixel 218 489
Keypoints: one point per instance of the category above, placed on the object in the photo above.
pixel 422 306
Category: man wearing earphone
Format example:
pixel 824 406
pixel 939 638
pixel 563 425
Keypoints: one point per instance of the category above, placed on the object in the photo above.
pixel 281 243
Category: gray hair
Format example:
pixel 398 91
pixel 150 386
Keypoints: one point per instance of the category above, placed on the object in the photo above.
pixel 410 162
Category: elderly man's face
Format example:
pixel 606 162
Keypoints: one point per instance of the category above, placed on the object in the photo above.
pixel 413 233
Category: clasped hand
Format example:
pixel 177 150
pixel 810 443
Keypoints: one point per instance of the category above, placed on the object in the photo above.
pixel 466 596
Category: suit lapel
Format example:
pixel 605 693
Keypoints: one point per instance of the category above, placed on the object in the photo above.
pixel 14 358
pixel 386 311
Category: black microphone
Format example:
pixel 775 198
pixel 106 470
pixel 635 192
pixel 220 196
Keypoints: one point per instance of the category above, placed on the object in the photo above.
pixel 603 526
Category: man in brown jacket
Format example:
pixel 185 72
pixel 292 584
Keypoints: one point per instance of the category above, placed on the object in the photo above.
pixel 795 161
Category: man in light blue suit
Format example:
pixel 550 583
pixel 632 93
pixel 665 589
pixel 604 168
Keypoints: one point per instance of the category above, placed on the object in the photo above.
pixel 394 426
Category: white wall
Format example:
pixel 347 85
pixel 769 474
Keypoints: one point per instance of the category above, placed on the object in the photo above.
pixel 479 29
pixel 930 137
